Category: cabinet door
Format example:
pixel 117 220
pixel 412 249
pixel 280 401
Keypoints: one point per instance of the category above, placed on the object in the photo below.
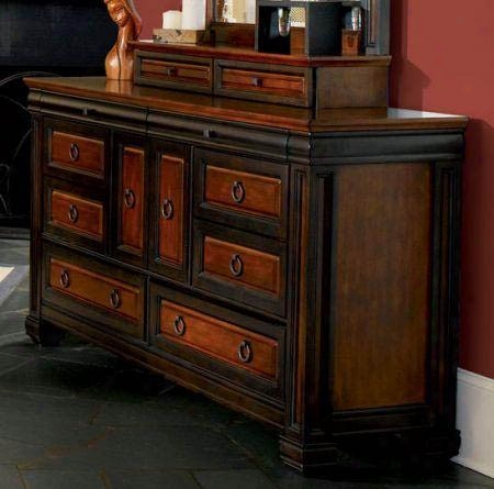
pixel 130 198
pixel 170 209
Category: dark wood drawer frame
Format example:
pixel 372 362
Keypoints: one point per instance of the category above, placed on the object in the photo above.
pixel 70 233
pixel 100 317
pixel 237 217
pixel 230 288
pixel 85 137
pixel 182 353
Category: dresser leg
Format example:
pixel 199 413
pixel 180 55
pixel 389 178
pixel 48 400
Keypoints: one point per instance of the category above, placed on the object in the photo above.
pixel 42 332
pixel 308 458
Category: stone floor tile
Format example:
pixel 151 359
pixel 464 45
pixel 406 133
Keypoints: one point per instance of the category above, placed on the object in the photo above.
pixel 257 440
pixel 10 478
pixel 146 479
pixel 9 363
pixel 51 378
pixel 233 479
pixel 135 449
pixel 12 323
pixel 13 452
pixel 49 422
pixel 63 479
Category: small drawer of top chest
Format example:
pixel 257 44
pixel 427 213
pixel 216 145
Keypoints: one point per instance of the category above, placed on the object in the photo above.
pixel 289 85
pixel 77 151
pixel 174 71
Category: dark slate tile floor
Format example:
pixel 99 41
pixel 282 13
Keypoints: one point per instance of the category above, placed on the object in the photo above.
pixel 78 417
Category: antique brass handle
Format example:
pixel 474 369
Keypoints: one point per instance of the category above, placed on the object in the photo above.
pixel 129 198
pixel 115 299
pixel 167 209
pixel 179 326
pixel 238 192
pixel 236 265
pixel 74 152
pixel 73 213
pixel 64 279
pixel 171 71
pixel 244 352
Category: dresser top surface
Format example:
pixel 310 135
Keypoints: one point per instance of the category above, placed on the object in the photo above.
pixel 276 116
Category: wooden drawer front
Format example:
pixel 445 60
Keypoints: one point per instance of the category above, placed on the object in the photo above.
pixel 175 72
pixel 243 192
pixel 284 85
pixel 80 215
pixel 171 209
pixel 219 339
pixel 241 265
pixel 131 201
pixel 95 289
pixel 77 153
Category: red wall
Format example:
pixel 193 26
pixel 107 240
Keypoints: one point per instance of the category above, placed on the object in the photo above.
pixel 443 61
pixel 151 11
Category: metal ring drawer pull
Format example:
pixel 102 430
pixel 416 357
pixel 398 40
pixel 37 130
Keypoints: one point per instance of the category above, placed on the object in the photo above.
pixel 244 352
pixel 74 152
pixel 171 71
pixel 73 213
pixel 115 299
pixel 167 209
pixel 129 198
pixel 236 265
pixel 64 279
pixel 238 192
pixel 179 326
pixel 209 133
pixel 256 82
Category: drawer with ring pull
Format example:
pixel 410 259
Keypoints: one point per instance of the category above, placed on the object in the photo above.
pixel 223 342
pixel 240 266
pixel 241 192
pixel 75 283
pixel 77 151
pixel 76 216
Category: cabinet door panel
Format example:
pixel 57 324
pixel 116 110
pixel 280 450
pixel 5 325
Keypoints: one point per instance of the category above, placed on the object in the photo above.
pixel 171 204
pixel 170 207
pixel 130 198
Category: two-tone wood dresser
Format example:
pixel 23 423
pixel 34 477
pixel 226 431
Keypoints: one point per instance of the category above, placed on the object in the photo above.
pixel 299 264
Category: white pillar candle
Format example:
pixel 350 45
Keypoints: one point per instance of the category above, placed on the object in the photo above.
pixel 194 15
pixel 172 19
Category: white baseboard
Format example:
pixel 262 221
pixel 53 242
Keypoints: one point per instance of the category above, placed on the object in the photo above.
pixel 475 420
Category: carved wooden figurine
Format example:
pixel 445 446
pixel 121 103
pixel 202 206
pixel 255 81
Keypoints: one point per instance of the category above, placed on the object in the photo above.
pixel 119 62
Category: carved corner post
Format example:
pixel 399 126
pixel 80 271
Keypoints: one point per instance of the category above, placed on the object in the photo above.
pixel 305 445
pixel 38 330
pixel 32 320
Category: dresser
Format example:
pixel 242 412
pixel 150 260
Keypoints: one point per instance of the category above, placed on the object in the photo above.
pixel 289 256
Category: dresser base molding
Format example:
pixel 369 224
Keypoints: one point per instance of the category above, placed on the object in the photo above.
pixel 402 451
